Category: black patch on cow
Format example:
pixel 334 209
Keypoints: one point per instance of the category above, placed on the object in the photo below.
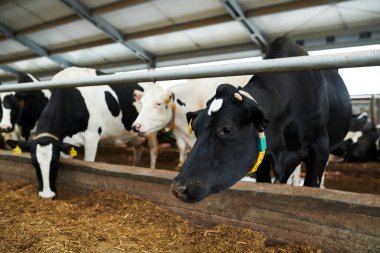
pixel 284 47
pixel 65 114
pixel 24 78
pixel 100 131
pixel 124 94
pixel 180 102
pixel 113 105
pixel 292 137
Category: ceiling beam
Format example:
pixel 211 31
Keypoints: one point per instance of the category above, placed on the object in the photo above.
pixel 110 30
pixel 35 47
pixel 10 70
pixel 237 12
pixel 288 6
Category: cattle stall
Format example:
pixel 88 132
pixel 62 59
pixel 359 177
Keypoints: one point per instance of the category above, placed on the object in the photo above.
pixel 331 220
pixel 334 221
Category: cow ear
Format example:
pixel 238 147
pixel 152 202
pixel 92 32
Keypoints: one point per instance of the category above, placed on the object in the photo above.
pixel 66 148
pixel 137 95
pixel 24 145
pixel 256 115
pixel 190 116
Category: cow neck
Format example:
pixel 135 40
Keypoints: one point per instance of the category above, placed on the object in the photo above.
pixel 261 140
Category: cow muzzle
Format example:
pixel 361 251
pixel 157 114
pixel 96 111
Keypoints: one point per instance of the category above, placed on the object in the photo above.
pixel 189 190
pixel 179 189
pixel 138 128
pixel 6 128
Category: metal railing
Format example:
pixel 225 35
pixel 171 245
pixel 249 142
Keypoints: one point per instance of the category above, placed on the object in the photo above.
pixel 341 60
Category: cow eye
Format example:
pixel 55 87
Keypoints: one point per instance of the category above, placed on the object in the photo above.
pixel 225 130
pixel 158 104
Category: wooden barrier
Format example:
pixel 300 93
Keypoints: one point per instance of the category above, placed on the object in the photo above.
pixel 334 221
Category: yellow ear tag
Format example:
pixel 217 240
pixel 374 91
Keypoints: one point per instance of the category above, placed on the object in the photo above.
pixel 73 152
pixel 17 150
pixel 189 127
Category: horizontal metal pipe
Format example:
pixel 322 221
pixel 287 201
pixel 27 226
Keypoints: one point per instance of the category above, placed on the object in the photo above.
pixel 342 60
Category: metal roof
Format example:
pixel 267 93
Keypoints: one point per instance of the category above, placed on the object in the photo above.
pixel 41 37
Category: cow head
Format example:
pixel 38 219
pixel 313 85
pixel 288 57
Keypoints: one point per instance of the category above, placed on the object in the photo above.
pixel 11 106
pixel 45 154
pixel 155 110
pixel 226 145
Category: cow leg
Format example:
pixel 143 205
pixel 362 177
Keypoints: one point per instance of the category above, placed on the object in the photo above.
pixel 295 177
pixel 315 166
pixel 182 152
pixel 137 153
pixel 153 149
pixel 91 147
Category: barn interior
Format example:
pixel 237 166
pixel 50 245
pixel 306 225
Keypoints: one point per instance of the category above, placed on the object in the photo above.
pixel 43 37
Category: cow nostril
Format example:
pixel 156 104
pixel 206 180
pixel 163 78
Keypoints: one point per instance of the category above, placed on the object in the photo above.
pixel 136 127
pixel 178 189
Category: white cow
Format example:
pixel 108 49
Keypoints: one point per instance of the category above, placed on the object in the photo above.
pixel 162 108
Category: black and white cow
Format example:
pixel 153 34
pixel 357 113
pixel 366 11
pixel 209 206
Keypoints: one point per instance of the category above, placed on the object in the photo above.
pixel 21 110
pixel 361 142
pixel 303 115
pixel 78 117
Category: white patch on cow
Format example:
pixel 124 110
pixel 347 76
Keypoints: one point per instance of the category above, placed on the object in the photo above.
pixel 44 155
pixel 354 136
pixel 215 105
pixel 6 119
pixel 246 94
pixel 47 93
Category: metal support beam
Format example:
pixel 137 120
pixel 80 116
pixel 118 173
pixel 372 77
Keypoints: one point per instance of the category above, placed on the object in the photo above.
pixel 10 70
pixel 41 51
pixel 300 63
pixel 237 12
pixel 111 31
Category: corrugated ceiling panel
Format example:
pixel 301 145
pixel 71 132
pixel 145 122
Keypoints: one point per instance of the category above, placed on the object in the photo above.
pixel 219 35
pixel 285 22
pixel 11 47
pixel 113 52
pixel 101 54
pixel 83 57
pixel 167 43
pixel 326 20
pixel 38 64
pixel 184 10
pixel 45 10
pixel 136 18
pixel 372 6
pixel 360 14
pixel 16 17
pixel 78 31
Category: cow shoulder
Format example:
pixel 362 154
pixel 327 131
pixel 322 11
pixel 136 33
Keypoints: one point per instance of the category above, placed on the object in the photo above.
pixel 65 114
